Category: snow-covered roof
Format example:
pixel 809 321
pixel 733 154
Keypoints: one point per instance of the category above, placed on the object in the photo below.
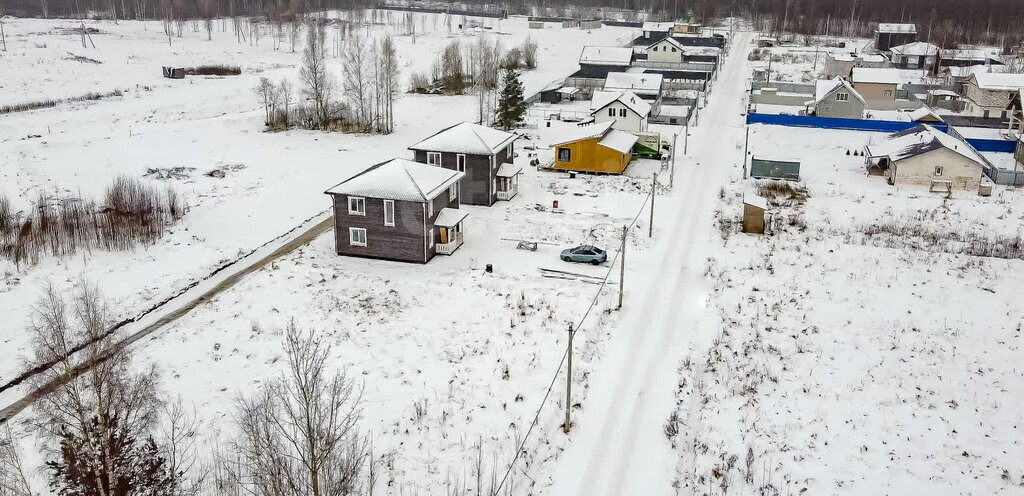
pixel 916 48
pixel 602 99
pixel 602 55
pixel 893 27
pixel 509 170
pixel 974 53
pixel 450 217
pixel 755 201
pixel 398 179
pixel 658 26
pixel 584 132
pixel 467 137
pixel 995 81
pixel 572 90
pixel 825 87
pixel 875 75
pixel 922 113
pixel 619 141
pixel 918 140
pixel 638 82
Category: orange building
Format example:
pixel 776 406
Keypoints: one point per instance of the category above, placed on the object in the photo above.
pixel 595 148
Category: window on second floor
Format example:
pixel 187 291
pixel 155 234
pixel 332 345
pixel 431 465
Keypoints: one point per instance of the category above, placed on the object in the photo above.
pixel 433 158
pixel 452 191
pixel 389 212
pixel 622 112
pixel 842 97
pixel 611 112
pixel 938 170
pixel 356 205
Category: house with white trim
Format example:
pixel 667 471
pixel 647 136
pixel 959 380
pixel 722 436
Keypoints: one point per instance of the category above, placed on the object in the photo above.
pixel 626 110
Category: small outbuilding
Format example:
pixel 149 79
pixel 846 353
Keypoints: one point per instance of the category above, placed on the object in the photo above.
pixel 766 168
pixel 754 209
pixel 174 72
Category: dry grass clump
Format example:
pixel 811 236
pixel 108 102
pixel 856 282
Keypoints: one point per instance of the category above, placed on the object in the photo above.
pixel 782 193
pixel 213 70
pixel 24 106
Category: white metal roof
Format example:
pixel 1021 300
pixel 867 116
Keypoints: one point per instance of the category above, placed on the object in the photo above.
pixel 619 141
pixel 916 48
pixel 602 55
pixel 584 132
pixel 509 170
pixel 467 137
pixel 642 82
pixel 995 81
pixel 893 27
pixel 450 217
pixel 603 99
pixel 398 179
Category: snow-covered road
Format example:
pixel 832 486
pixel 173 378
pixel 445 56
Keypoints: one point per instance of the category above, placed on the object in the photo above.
pixel 618 443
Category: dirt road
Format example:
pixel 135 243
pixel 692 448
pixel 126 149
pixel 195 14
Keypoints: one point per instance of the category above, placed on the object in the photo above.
pixel 618 443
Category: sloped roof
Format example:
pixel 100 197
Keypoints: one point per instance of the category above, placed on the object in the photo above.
pixel 894 27
pixel 923 112
pixel 603 55
pixel 997 81
pixel 466 137
pixel 398 179
pixel 584 132
pixel 658 26
pixel 825 87
pixel 915 48
pixel 875 75
pixel 450 217
pixel 602 99
pixel 670 40
pixel 918 140
pixel 509 170
pixel 619 141
pixel 636 81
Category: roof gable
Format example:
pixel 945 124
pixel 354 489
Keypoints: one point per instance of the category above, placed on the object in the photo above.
pixel 398 179
pixel 824 88
pixel 602 99
pixel 919 140
pixel 466 137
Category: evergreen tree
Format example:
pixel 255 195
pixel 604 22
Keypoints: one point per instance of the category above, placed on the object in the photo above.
pixel 511 107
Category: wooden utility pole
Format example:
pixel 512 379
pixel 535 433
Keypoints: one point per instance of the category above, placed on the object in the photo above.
pixel 746 145
pixel 622 263
pixel 568 383
pixel 672 165
pixel 654 192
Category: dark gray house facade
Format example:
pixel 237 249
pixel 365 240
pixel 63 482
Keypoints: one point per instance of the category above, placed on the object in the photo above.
pixel 398 210
pixel 484 154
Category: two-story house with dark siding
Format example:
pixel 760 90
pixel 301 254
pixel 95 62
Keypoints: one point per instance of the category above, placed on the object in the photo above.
pixel 484 154
pixel 398 210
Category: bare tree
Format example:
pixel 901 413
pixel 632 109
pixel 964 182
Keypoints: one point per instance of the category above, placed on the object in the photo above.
pixel 298 436
pixel 530 53
pixel 387 84
pixel 97 424
pixel 318 83
pixel 177 433
pixel 13 481
pixel 356 82
pixel 268 94
pixel 284 96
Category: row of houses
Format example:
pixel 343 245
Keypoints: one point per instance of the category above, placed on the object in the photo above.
pixel 409 210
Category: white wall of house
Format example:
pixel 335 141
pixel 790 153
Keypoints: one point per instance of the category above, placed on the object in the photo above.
pixel 942 164
pixel 631 122
pixel 665 52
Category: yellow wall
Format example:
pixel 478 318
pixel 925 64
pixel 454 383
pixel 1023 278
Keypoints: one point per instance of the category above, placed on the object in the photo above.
pixel 587 156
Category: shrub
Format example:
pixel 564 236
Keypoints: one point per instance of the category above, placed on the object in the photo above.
pixel 213 70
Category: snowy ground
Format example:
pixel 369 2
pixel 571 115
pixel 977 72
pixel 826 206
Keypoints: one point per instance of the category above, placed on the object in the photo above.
pixel 474 350
pixel 273 181
pixel 854 366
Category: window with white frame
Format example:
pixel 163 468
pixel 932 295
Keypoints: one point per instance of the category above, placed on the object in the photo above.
pixel 938 170
pixel 452 191
pixel 611 112
pixel 508 152
pixel 842 97
pixel 622 112
pixel 431 238
pixel 430 208
pixel 888 92
pixel 564 154
pixel 389 212
pixel 434 158
pixel 356 205
pixel 357 236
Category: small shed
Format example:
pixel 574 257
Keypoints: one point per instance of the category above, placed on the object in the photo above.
pixel 767 168
pixel 570 24
pixel 590 24
pixel 754 208
pixel 536 25
pixel 174 72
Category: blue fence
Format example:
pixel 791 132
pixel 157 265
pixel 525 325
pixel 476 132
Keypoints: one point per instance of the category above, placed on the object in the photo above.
pixel 982 145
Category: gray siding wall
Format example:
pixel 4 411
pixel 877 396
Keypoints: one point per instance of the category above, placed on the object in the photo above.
pixel 405 241
pixel 476 186
pixel 830 107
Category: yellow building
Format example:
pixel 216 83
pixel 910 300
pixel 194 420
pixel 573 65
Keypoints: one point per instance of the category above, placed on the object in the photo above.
pixel 595 148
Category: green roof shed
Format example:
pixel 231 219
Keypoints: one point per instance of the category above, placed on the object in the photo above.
pixel 764 168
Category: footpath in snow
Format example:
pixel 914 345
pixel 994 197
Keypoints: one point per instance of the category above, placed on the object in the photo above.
pixel 618 444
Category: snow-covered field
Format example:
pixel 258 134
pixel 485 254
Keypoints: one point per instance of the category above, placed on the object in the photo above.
pixel 852 366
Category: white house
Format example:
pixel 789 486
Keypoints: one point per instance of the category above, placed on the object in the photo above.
pixel 645 85
pixel 925 156
pixel 666 50
pixel 625 109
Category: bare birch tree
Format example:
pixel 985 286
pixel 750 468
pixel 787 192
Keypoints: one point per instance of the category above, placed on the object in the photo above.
pixel 13 478
pixel 318 83
pixel 356 82
pixel 267 93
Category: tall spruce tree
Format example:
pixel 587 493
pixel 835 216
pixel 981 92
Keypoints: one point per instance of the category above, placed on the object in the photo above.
pixel 511 107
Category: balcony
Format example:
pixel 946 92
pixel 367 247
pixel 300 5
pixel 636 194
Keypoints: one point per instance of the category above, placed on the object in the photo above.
pixel 454 242
pixel 509 193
